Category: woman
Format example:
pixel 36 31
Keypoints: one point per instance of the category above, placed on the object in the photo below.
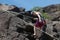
pixel 39 23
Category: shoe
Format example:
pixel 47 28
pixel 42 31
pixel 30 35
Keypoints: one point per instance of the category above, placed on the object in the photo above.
pixel 34 34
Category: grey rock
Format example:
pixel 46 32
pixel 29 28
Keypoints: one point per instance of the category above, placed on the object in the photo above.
pixel 11 8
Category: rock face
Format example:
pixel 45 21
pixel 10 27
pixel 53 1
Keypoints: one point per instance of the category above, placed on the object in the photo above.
pixel 53 11
pixel 12 27
pixel 52 8
pixel 54 25
pixel 7 7
pixel 19 26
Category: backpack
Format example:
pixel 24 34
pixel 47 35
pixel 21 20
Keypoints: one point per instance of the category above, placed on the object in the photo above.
pixel 43 19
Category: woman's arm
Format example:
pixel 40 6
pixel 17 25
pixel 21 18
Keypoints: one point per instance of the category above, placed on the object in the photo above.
pixel 35 18
pixel 39 18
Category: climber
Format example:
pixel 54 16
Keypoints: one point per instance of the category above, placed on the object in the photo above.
pixel 40 22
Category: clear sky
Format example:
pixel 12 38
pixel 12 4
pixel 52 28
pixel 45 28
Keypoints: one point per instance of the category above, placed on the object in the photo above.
pixel 28 4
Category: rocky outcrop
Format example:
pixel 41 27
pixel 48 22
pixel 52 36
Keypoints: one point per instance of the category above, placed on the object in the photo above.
pixel 53 11
pixel 7 7
pixel 54 23
pixel 19 26
pixel 13 27
pixel 52 8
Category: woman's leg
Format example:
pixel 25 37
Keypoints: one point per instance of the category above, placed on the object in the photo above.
pixel 34 30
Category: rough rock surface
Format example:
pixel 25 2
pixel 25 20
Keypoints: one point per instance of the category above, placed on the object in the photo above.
pixel 14 8
pixel 53 26
pixel 53 11
pixel 52 8
pixel 14 26
pixel 10 28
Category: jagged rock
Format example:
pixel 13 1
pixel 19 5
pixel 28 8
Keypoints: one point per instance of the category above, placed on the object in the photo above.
pixel 18 26
pixel 7 7
pixel 56 19
pixel 53 11
pixel 11 26
pixel 16 9
pixel 52 8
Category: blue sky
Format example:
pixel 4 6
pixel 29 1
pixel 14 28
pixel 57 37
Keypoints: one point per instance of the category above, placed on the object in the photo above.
pixel 29 4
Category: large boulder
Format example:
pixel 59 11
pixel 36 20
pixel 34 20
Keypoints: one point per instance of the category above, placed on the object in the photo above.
pixel 13 27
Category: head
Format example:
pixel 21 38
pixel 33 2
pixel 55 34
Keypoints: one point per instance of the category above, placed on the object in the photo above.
pixel 35 13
